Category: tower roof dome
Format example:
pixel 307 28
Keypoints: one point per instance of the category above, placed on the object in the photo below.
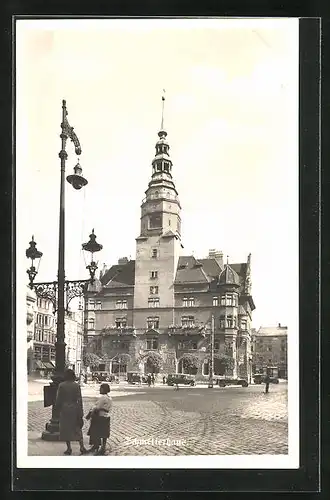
pixel 228 276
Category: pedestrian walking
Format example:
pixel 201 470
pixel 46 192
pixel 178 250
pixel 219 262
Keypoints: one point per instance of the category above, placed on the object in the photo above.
pixel 149 380
pixel 267 382
pixel 70 408
pixel 99 415
pixel 153 379
pixel 164 380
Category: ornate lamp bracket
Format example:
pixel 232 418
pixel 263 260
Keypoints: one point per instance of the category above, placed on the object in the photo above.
pixel 76 288
pixel 47 291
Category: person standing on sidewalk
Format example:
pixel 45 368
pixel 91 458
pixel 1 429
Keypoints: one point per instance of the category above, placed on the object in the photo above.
pixel 267 382
pixel 99 415
pixel 149 380
pixel 70 407
pixel 153 379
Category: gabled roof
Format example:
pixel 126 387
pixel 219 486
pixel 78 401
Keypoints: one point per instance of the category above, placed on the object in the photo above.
pixel 272 331
pixel 211 267
pixel 122 275
pixel 188 271
pixel 241 310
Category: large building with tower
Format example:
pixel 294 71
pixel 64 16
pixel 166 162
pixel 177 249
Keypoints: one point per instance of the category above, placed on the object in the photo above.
pixel 154 313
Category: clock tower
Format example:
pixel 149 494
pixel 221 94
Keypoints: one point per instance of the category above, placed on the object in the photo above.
pixel 159 243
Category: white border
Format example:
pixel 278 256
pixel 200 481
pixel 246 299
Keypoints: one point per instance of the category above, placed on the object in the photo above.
pixel 290 461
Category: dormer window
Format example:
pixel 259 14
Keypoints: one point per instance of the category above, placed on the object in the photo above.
pixel 154 253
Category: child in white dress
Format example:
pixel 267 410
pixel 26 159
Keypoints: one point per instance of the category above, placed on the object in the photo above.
pixel 99 429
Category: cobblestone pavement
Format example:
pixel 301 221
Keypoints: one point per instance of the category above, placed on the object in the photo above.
pixel 191 421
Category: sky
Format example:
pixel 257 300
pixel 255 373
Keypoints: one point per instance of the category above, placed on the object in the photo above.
pixel 231 113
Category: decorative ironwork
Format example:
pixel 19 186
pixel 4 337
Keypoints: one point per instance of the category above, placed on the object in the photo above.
pixel 47 291
pixel 73 289
pixel 68 131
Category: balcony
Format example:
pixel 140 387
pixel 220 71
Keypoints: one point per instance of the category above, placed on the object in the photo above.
pixel 118 330
pixel 192 329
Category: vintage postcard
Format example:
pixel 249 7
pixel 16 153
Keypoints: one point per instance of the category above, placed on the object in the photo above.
pixel 157 243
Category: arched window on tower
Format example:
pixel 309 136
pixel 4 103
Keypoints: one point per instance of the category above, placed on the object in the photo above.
pixel 156 194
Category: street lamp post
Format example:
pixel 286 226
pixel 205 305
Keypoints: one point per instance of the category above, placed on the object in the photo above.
pixel 211 366
pixel 62 291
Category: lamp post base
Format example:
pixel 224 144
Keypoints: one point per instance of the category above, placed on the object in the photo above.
pixel 52 432
pixel 52 428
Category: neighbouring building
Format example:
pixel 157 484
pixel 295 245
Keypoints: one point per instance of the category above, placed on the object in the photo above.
pixel 154 313
pixel 74 341
pixel 31 300
pixel 269 350
pixel 42 357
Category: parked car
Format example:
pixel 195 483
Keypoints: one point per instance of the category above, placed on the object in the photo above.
pixel 102 376
pixel 135 377
pixel 179 378
pixel 223 382
pixel 259 378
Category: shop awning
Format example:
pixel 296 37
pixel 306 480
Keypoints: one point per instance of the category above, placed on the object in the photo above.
pixel 39 365
pixel 49 365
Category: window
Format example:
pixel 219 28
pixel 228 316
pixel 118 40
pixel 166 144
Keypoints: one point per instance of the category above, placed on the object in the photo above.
pixel 187 321
pixel 91 324
pixel 227 322
pixel 153 322
pixel 153 275
pixel 217 345
pixel 154 253
pixel 46 320
pixel 155 220
pixel 269 348
pixel 229 300
pixel 243 324
pixel 230 322
pixel 251 348
pixel 121 322
pixel 215 301
pixel 194 345
pixel 152 344
pixel 153 302
pixel 188 302
pixel 98 305
pixel 91 304
pixel 124 345
pixel 115 343
pixel 121 304
pixel 154 290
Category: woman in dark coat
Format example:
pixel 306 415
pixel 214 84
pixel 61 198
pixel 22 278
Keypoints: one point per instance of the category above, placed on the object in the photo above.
pixel 70 407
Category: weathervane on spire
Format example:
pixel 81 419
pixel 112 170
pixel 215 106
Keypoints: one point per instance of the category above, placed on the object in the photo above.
pixel 227 260
pixel 163 100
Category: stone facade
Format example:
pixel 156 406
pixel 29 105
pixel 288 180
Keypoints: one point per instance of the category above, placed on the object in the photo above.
pixel 269 350
pixel 161 305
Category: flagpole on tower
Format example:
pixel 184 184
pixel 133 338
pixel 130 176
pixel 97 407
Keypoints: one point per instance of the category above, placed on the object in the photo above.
pixel 163 101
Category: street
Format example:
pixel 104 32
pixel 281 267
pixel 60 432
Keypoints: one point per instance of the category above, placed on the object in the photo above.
pixel 192 421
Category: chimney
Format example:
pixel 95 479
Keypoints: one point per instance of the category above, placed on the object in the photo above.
pixel 217 255
pixel 122 261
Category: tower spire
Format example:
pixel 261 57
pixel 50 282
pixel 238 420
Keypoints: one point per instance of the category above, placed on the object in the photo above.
pixel 163 103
